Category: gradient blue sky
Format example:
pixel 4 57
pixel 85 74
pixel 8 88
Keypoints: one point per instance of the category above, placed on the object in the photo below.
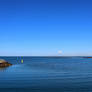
pixel 44 27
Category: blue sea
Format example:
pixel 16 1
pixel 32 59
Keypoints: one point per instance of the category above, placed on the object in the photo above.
pixel 46 74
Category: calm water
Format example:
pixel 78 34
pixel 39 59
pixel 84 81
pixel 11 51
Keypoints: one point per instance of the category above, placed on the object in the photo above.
pixel 47 74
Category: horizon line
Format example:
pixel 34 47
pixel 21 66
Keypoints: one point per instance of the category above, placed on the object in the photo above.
pixel 43 56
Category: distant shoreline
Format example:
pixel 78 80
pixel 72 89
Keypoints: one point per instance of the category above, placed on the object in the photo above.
pixel 87 57
pixel 52 56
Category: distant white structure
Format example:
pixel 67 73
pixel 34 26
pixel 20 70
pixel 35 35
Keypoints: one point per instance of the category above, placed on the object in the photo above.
pixel 59 52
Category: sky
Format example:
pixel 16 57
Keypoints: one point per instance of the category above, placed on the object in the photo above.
pixel 45 27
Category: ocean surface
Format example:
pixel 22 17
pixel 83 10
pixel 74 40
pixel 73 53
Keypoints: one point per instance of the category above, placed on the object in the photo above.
pixel 46 74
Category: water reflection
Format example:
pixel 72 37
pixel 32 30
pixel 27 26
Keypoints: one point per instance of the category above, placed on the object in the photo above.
pixel 4 68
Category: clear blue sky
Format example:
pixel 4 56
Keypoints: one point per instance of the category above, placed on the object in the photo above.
pixel 44 27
